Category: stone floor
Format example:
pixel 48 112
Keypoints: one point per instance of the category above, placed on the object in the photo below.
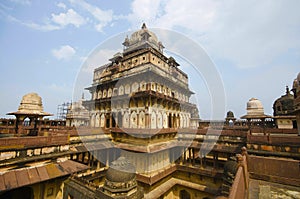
pixel 267 190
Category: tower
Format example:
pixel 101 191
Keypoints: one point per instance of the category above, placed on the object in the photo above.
pixel 142 98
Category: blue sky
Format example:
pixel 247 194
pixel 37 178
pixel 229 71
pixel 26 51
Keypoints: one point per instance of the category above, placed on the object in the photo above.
pixel 255 45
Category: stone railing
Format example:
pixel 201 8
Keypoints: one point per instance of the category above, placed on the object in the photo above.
pixel 33 141
pixel 240 185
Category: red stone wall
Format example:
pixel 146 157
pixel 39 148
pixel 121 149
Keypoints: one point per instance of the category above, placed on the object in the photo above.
pixel 285 171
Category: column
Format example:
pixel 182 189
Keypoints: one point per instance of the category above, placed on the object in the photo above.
pixel 107 158
pixel 193 152
pixel 215 161
pixel 110 120
pixel 184 156
pixel 190 156
pixel 146 120
pixel 98 165
pixel 201 161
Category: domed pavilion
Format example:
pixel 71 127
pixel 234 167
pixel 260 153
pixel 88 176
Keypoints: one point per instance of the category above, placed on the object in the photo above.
pixel 31 107
pixel 255 112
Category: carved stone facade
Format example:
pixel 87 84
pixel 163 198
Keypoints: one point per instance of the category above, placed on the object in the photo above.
pixel 143 98
pixel 141 88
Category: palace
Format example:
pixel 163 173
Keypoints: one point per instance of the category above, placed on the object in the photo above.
pixel 139 136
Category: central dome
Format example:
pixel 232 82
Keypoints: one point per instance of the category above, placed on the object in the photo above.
pixel 142 38
pixel 141 35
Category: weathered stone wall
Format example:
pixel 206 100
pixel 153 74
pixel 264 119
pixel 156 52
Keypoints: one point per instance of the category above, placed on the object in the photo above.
pixel 285 171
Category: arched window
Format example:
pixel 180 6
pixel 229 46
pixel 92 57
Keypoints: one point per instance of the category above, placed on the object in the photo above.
pixel 133 120
pixel 159 120
pixel 93 117
pixel 104 93
pixel 109 92
pixel 127 89
pixel 102 120
pixel 121 90
pixel 142 119
pixel 99 94
pixel 97 120
pixel 126 120
pixel 135 87
pixel 165 120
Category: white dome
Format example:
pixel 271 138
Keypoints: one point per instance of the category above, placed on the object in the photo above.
pixel 137 36
pixel 255 107
pixel 31 103
pixel 140 38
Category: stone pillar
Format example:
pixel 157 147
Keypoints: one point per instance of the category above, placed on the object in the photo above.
pixel 215 154
pixel 90 160
pixel 173 156
pixel 107 158
pixel 98 165
pixel 184 156
pixel 82 157
pixel 201 162
pixel 193 152
pixel 190 156
pixel 298 122
pixel 137 120
pixel 17 124
pixel 110 120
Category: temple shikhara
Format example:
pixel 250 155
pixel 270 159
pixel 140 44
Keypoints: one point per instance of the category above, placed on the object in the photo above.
pixel 138 136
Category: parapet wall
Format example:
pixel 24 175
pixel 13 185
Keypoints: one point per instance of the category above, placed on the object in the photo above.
pixel 39 141
pixel 279 170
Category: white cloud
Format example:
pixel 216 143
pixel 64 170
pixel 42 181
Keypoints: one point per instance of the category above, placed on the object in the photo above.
pixel 248 34
pixel 40 27
pixel 70 17
pixel 61 5
pixel 102 17
pixel 64 52
pixel 192 14
pixel 57 22
pixel 252 35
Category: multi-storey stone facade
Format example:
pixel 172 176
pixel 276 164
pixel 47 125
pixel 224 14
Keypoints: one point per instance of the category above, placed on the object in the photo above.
pixel 141 88
pixel 143 98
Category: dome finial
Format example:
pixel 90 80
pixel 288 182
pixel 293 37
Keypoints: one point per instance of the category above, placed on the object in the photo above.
pixel 287 90
pixel 144 26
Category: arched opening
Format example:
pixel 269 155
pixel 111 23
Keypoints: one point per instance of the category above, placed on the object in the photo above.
pixel 97 120
pixel 107 123
pixel 170 121
pixel 113 120
pixel 184 194
pixel 133 120
pixel 26 122
pixel 24 193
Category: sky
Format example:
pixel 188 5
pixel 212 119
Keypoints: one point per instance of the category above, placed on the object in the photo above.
pixel 254 45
